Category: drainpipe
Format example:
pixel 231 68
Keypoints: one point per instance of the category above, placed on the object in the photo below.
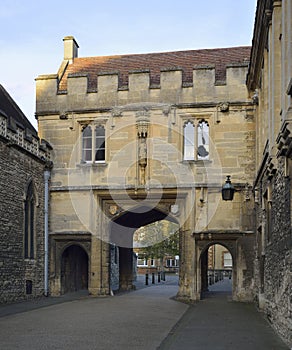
pixel 47 175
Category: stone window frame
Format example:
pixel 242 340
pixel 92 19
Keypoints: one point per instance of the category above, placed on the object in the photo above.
pixel 195 140
pixel 267 202
pixel 93 125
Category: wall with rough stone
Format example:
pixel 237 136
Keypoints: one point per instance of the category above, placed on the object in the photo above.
pixel 274 276
pixel 22 160
pixel 18 168
pixel 269 79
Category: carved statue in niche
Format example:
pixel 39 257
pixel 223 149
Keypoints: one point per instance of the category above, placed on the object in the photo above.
pixel 142 152
pixel 142 159
pixel 142 123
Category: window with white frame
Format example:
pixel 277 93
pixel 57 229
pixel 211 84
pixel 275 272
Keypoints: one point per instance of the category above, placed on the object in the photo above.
pixel 227 260
pixel 196 140
pixel 172 262
pixel 142 261
pixel 93 143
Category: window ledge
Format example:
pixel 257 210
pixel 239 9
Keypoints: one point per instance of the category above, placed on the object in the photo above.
pixel 91 165
pixel 199 162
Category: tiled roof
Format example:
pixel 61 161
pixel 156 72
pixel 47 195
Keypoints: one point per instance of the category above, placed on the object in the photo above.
pixel 13 113
pixel 155 62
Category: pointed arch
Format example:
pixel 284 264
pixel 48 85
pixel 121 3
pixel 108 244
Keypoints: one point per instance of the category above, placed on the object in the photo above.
pixel 29 222
pixel 203 140
pixel 189 140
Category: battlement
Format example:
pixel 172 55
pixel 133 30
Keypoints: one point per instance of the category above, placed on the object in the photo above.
pixel 17 135
pixel 167 77
pixel 171 87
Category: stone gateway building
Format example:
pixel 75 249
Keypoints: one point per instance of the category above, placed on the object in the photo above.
pixel 145 137
pixel 141 138
pixel 23 160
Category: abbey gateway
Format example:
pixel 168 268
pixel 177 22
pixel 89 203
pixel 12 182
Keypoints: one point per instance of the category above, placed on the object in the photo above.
pixel 134 139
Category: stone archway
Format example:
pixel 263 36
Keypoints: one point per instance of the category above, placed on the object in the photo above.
pixel 74 269
pixel 121 231
pixel 202 264
pixel 212 266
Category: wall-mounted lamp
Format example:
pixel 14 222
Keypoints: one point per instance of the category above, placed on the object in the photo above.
pixel 227 190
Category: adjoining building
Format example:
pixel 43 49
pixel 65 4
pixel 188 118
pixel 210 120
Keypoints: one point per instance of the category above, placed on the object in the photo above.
pixel 270 78
pixel 23 160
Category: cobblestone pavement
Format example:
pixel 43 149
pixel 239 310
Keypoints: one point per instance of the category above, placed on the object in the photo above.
pixel 147 318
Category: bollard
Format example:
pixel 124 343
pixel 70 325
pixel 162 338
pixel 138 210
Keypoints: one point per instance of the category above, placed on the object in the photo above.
pixel 146 279
pixel 163 275
pixel 158 277
pixel 153 278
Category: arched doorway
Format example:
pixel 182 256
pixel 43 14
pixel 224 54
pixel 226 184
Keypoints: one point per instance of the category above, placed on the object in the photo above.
pixel 122 230
pixel 74 269
pixel 216 264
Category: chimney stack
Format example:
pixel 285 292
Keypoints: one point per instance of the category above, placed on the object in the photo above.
pixel 70 48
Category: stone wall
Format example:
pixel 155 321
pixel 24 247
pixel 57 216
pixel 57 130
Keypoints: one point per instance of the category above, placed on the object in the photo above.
pixel 276 284
pixel 269 79
pixel 20 166
pixel 114 270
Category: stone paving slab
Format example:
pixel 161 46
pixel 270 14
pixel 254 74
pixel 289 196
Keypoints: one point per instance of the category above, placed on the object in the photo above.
pixel 146 319
pixel 218 323
pixel 136 320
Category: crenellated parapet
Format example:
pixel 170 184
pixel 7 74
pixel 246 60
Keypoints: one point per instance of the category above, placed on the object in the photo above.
pixel 15 135
pixel 192 76
pixel 204 87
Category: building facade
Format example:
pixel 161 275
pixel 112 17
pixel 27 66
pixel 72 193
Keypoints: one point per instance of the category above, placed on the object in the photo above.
pixel 269 77
pixel 23 160
pixel 141 138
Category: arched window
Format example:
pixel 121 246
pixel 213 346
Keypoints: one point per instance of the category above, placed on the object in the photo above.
pixel 203 140
pixel 93 146
pixel 99 144
pixel 29 214
pixel 87 144
pixel 189 141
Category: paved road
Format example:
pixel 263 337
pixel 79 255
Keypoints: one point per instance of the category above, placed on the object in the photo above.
pixel 218 323
pixel 145 319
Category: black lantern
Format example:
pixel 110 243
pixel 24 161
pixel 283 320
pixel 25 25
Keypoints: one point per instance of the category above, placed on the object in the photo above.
pixel 227 190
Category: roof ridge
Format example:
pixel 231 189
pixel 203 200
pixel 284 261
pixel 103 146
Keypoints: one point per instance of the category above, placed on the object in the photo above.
pixel 166 52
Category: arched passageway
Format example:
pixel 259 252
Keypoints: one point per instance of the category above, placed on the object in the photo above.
pixel 122 230
pixel 216 263
pixel 74 269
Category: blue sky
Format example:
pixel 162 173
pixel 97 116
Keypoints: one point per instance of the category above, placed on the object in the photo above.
pixel 32 31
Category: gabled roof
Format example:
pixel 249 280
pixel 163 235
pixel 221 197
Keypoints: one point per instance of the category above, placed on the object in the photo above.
pixel 13 113
pixel 154 63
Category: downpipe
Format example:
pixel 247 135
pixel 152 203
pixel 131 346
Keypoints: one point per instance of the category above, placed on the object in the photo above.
pixel 47 175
